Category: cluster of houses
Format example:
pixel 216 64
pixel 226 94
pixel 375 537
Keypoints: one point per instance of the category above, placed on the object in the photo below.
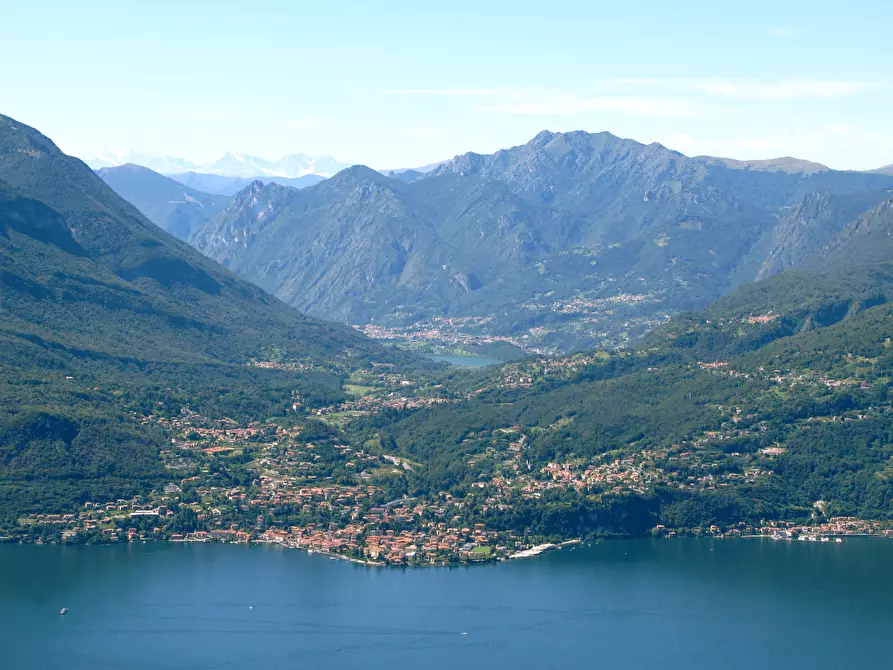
pixel 350 516
pixel 440 330
pixel 431 543
pixel 581 305
pixel 370 404
pixel 835 527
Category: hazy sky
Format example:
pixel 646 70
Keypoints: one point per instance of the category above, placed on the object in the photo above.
pixel 397 84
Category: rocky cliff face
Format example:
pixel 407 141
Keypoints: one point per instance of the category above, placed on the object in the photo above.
pixel 246 214
pixel 808 226
pixel 867 239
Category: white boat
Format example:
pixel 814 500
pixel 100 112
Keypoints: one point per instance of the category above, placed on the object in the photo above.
pixel 63 611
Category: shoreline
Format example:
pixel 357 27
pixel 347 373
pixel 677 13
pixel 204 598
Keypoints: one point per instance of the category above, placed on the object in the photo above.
pixel 530 552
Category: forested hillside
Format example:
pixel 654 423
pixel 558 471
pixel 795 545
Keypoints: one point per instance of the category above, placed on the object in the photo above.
pixel 104 316
pixel 771 404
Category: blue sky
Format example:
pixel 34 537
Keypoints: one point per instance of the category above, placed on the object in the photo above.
pixel 395 84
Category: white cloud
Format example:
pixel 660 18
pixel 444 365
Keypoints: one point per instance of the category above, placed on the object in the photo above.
pixel 455 92
pixel 565 104
pixel 547 102
pixel 793 89
pixel 754 89
pixel 839 132
pixel 670 97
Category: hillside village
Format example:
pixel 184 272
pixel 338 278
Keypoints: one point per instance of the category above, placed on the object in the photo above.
pixel 297 484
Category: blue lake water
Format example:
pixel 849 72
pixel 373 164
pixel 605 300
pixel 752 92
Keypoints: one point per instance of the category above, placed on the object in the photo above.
pixel 626 604
pixel 465 361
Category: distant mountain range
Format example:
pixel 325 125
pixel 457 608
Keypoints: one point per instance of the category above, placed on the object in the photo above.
pixel 230 164
pixel 786 164
pixel 571 240
pixel 292 166
pixel 295 166
pixel 167 203
pixel 157 162
pixel 217 184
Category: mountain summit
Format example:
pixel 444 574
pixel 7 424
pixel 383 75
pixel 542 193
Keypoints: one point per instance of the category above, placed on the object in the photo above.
pixel 539 239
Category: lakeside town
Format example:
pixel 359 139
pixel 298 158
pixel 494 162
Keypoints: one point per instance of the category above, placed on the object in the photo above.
pixel 301 482
pixel 603 318
pixel 298 485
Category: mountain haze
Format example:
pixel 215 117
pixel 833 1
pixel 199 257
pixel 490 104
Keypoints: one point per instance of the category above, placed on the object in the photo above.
pixel 291 166
pixel 153 161
pixel 220 185
pixel 168 204
pixel 230 164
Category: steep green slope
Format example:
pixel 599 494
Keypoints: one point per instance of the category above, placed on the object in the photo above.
pixel 851 272
pixel 229 318
pixel 805 229
pixel 103 317
pixel 168 204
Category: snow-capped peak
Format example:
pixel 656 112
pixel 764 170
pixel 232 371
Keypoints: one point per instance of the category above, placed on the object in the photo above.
pixel 231 164
pixel 151 160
